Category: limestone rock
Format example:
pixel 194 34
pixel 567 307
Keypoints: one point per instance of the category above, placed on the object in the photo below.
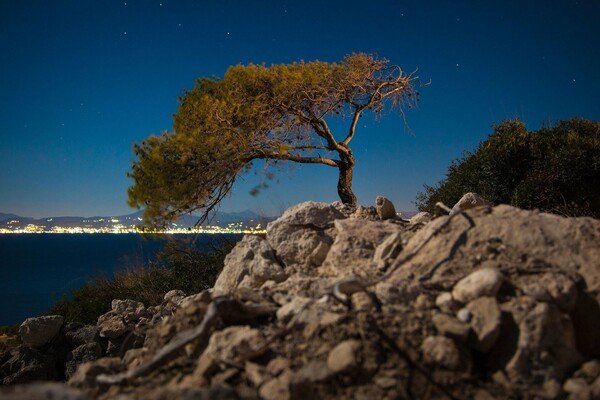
pixel 485 322
pixel 289 310
pixel 251 263
pixel 368 213
pixel 130 310
pixel 84 353
pixel 26 364
pixel 300 235
pixel 483 282
pixel 421 218
pixel 470 200
pixel 111 325
pixel 38 331
pixel 343 357
pixel 385 208
pixel 451 327
pixel 354 246
pixel 277 388
pixel 42 391
pixel 85 375
pixel 445 302
pixel 442 351
pixel 83 335
pixel 388 250
pixel 546 342
pixel 174 296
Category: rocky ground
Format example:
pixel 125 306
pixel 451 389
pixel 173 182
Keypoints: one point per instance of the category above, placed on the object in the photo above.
pixel 484 303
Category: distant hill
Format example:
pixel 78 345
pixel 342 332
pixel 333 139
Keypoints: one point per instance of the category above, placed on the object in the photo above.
pixel 222 219
pixel 4 216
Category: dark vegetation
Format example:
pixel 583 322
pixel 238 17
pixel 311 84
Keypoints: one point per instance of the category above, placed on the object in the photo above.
pixel 554 169
pixel 177 267
pixel 276 114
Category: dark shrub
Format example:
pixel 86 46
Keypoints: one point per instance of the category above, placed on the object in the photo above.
pixel 555 169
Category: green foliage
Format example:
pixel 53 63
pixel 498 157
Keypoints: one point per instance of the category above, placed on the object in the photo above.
pixel 178 268
pixel 255 112
pixel 555 169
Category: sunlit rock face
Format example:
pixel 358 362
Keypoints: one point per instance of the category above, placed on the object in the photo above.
pixel 491 302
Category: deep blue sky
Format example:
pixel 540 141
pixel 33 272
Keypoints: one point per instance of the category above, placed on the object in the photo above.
pixel 80 81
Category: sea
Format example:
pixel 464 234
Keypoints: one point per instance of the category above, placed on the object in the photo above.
pixel 38 269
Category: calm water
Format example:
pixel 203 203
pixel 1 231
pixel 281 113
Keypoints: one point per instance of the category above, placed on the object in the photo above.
pixel 36 269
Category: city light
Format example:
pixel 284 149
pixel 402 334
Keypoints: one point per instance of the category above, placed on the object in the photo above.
pixel 235 228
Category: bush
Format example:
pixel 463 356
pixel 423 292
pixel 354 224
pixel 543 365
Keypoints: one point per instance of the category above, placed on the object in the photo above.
pixel 179 266
pixel 555 169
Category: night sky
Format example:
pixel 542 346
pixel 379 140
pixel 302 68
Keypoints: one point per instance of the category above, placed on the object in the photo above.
pixel 80 81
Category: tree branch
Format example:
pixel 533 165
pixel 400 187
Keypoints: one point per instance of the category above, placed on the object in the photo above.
pixel 273 155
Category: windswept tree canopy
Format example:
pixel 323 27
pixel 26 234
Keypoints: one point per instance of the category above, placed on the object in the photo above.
pixel 276 114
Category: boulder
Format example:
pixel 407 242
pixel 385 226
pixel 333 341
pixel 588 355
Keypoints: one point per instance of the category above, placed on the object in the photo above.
pixel 385 208
pixel 38 331
pixel 300 235
pixel 251 263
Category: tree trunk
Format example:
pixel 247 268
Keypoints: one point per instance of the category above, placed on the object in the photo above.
pixel 345 184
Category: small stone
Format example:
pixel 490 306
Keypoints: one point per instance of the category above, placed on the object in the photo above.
pixel 385 208
pixel 255 373
pixel 485 322
pixel 464 315
pixel 386 382
pixel 444 301
pixel 111 325
pixel 441 351
pixel 277 388
pixel 361 301
pixel 330 318
pixel 312 372
pixel 451 327
pixel 38 331
pixel 277 365
pixel 552 389
pixel 590 370
pixel 288 311
pixel 575 385
pixel 423 302
pixel 343 356
pixel 483 282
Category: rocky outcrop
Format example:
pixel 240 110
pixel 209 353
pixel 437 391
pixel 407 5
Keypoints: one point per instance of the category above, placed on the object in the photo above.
pixel 491 302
